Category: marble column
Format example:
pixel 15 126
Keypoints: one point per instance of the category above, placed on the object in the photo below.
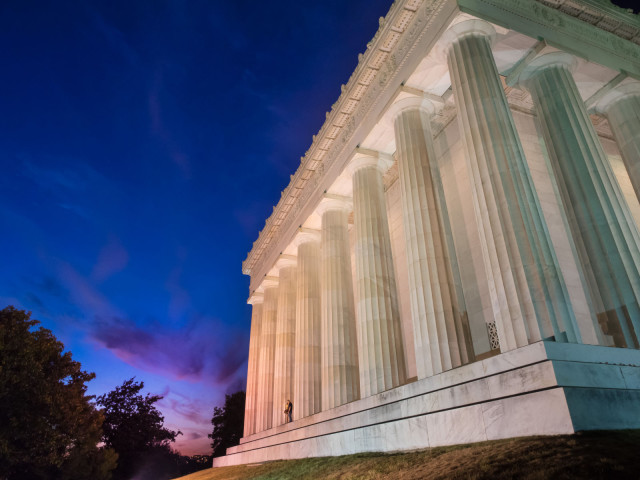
pixel 264 407
pixel 530 300
pixel 339 355
pixel 434 303
pixel 285 338
pixel 252 364
pixel 622 109
pixel 600 221
pixel 307 376
pixel 381 351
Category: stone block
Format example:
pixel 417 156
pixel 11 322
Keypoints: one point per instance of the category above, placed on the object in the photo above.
pixel 539 413
pixel 461 425
pixel 603 409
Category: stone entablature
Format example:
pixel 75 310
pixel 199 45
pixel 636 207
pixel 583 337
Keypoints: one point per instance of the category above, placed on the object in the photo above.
pixel 616 43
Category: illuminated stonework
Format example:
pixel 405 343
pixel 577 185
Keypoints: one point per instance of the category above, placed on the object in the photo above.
pixel 457 258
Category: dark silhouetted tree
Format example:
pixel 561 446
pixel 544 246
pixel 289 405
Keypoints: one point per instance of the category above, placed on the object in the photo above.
pixel 228 423
pixel 134 428
pixel 49 428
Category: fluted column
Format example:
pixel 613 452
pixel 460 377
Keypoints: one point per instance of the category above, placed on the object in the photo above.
pixel 601 225
pixel 439 345
pixel 307 378
pixel 285 338
pixel 381 352
pixel 339 356
pixel 264 407
pixel 521 265
pixel 252 364
pixel 622 108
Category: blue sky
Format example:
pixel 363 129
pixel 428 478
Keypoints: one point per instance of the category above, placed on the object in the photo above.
pixel 143 145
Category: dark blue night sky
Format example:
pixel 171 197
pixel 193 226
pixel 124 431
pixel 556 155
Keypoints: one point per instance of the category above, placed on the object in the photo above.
pixel 143 145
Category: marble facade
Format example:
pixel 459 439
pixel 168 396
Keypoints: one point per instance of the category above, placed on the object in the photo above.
pixel 457 258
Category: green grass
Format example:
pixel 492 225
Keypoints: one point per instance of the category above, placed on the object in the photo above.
pixel 606 455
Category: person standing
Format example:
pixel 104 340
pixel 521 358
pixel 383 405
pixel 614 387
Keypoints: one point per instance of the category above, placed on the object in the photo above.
pixel 288 411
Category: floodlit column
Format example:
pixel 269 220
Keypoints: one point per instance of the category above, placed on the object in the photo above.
pixel 264 408
pixel 622 108
pixel 285 338
pixel 381 351
pixel 255 301
pixel 601 225
pixel 521 265
pixel 340 374
pixel 439 345
pixel 307 378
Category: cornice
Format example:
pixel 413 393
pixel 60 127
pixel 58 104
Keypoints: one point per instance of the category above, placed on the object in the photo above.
pixel 603 14
pixel 591 29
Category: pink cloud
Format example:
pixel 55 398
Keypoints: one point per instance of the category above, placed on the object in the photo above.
pixel 202 350
pixel 192 417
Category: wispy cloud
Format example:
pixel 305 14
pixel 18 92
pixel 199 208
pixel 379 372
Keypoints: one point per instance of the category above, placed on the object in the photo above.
pixel 177 156
pixel 186 408
pixel 66 182
pixel 112 259
pixel 58 178
pixel 113 36
pixel 202 350
pixel 83 293
pixel 179 299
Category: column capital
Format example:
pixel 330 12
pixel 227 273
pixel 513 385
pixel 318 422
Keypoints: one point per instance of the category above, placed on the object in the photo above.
pixel 334 202
pixel 411 103
pixel 256 297
pixel 368 159
pixel 306 235
pixel 268 282
pixel 616 94
pixel 286 261
pixel 542 62
pixel 467 28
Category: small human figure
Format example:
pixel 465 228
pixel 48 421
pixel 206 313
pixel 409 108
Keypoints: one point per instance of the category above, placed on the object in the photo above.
pixel 288 410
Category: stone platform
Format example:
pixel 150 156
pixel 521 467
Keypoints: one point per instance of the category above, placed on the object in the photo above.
pixel 546 388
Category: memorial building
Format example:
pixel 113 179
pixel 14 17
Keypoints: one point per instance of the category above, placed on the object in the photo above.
pixel 457 257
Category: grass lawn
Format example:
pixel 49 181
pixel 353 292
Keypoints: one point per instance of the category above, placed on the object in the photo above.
pixel 608 455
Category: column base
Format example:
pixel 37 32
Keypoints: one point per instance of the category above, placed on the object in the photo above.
pixel 546 388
